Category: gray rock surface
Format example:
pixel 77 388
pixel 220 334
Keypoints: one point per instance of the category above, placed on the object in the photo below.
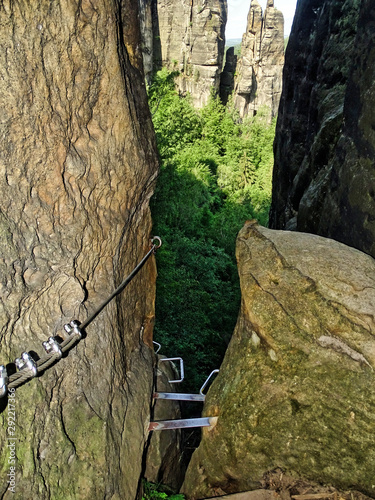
pixel 324 180
pixel 296 389
pixel 259 70
pixel 78 163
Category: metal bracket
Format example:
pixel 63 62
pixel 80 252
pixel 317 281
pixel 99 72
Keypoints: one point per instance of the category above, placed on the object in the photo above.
pixel 52 346
pixel 3 381
pixel 188 423
pixel 159 346
pixel 26 362
pixel 206 382
pixel 182 374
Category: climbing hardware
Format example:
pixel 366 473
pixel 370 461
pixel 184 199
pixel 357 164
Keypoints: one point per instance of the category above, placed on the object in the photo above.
pixel 187 423
pixel 28 368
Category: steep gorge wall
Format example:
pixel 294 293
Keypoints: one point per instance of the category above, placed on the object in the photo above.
pixel 324 178
pixel 187 36
pixel 78 162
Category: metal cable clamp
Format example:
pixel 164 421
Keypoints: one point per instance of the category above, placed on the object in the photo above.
pixel 3 381
pixel 51 346
pixel 25 363
pixel 73 328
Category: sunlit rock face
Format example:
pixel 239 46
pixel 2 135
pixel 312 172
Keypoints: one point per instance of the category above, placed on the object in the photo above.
pixel 258 81
pixel 78 163
pixel 296 389
pixel 324 179
pixel 189 37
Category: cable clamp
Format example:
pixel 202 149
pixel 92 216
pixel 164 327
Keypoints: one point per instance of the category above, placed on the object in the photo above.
pixel 3 381
pixel 26 362
pixel 51 346
pixel 73 328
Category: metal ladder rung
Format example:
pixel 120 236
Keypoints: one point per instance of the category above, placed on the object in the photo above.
pixel 177 396
pixel 188 423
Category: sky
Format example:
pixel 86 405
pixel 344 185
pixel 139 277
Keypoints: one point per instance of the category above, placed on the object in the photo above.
pixel 238 10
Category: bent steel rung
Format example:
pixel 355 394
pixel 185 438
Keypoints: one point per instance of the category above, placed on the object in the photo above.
pixel 182 374
pixel 187 423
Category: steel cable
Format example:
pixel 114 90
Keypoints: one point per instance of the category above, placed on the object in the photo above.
pixel 28 368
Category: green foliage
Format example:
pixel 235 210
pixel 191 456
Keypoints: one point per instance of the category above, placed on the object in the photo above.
pixel 215 174
pixel 153 491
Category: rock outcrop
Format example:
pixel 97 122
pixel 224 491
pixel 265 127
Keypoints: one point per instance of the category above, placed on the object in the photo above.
pixel 189 37
pixel 296 390
pixel 324 180
pixel 78 161
pixel 259 69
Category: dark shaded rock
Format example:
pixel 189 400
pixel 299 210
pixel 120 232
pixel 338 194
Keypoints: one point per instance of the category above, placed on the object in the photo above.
pixel 78 162
pixel 227 76
pixel 164 464
pixel 258 79
pixel 296 389
pixel 324 178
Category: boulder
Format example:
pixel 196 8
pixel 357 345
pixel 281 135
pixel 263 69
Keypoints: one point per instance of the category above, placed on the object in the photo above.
pixel 78 163
pixel 296 390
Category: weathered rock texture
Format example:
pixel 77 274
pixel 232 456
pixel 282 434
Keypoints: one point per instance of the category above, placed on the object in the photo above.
pixel 227 76
pixel 296 390
pixel 324 178
pixel 259 70
pixel 188 36
pixel 78 162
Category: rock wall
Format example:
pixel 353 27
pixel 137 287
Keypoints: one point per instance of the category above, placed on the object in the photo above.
pixel 324 180
pixel 259 69
pixel 78 162
pixel 188 36
pixel 296 390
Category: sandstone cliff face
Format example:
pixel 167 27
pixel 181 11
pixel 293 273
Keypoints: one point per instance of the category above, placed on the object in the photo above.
pixel 78 162
pixel 296 390
pixel 259 69
pixel 188 36
pixel 324 178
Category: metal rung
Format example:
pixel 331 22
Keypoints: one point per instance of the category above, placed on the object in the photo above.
pixel 177 396
pixel 188 423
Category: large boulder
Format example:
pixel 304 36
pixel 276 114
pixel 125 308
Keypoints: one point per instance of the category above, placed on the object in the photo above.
pixel 78 162
pixel 296 390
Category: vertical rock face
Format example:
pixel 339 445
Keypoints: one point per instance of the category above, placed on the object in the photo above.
pixel 78 162
pixel 188 36
pixel 260 66
pixel 227 76
pixel 324 179
pixel 296 389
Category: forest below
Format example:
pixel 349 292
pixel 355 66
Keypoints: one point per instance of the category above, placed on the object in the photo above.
pixel 216 172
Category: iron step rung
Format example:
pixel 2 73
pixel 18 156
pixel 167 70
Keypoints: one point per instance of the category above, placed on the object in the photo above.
pixel 178 396
pixel 187 423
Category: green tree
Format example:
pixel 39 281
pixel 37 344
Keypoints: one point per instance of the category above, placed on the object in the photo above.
pixel 215 174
